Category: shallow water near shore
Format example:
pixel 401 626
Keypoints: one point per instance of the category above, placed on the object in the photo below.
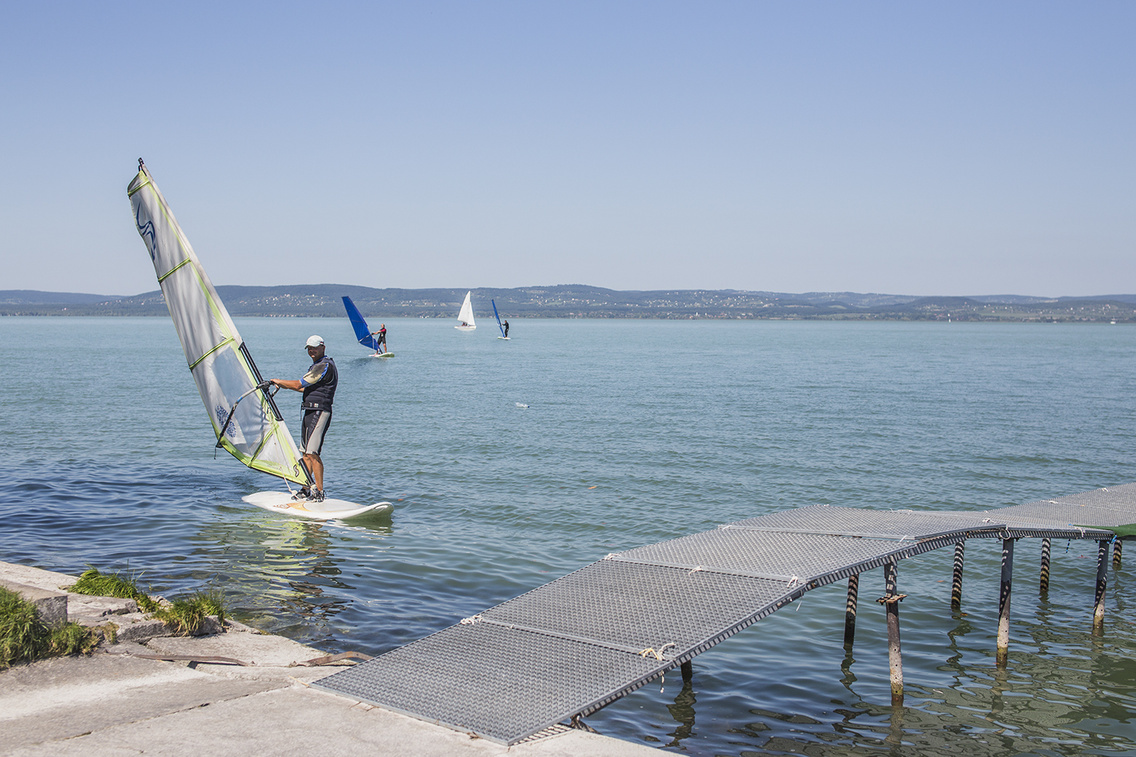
pixel 513 463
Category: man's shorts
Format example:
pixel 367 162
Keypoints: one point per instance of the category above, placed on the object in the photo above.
pixel 316 423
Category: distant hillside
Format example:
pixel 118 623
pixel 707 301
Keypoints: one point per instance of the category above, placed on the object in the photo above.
pixel 35 297
pixel 580 301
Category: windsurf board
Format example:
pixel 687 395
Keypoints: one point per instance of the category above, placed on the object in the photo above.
pixel 383 354
pixel 329 509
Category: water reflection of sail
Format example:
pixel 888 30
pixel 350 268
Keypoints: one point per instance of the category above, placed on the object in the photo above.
pixel 283 576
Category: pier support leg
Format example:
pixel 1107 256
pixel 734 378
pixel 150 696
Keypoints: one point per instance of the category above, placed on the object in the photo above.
pixel 1004 601
pixel 1116 555
pixel 850 610
pixel 956 580
pixel 1044 588
pixel 1102 582
pixel 687 671
pixel 895 658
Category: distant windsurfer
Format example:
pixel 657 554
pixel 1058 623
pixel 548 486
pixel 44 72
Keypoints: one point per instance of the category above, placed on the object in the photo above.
pixel 318 386
pixel 506 325
pixel 380 339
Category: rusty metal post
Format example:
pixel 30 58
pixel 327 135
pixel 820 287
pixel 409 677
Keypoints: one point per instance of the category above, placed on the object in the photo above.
pixel 1102 582
pixel 1004 601
pixel 1116 555
pixel 891 600
pixel 1044 589
pixel 687 672
pixel 850 610
pixel 956 580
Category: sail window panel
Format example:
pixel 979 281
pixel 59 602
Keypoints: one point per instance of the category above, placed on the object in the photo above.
pixel 197 324
pixel 280 457
pixel 259 440
pixel 222 378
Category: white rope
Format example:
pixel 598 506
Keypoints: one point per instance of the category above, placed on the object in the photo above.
pixel 473 620
pixel 658 654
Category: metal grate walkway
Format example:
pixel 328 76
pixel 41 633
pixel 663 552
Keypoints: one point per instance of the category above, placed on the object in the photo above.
pixel 580 642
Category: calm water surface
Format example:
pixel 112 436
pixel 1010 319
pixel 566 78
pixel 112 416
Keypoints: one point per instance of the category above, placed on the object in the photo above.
pixel 634 432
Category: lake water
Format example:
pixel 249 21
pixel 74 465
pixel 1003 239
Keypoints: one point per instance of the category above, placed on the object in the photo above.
pixel 633 432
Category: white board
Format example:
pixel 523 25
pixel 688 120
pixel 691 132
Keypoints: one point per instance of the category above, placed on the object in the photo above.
pixel 329 509
pixel 384 354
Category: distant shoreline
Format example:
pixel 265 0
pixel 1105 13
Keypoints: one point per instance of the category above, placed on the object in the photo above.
pixel 581 301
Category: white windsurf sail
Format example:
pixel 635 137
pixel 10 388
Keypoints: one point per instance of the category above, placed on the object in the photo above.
pixel 465 316
pixel 245 418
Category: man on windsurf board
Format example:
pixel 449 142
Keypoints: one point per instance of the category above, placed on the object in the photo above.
pixel 380 339
pixel 318 386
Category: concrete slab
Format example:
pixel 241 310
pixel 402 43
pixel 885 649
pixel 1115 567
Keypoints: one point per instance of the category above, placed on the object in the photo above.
pixel 43 579
pixel 56 700
pixel 90 610
pixel 51 606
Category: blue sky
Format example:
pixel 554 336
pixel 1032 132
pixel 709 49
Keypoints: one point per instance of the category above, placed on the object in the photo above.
pixel 909 148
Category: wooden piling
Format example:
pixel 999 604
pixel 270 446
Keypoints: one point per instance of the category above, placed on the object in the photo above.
pixel 1004 601
pixel 687 671
pixel 1102 582
pixel 1116 554
pixel 956 580
pixel 891 601
pixel 850 610
pixel 1044 588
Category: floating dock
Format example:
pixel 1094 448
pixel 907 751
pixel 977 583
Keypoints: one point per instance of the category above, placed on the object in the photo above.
pixel 572 646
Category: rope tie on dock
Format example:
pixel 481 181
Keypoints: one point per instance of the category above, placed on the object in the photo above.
pixel 472 620
pixel 694 570
pixel 891 599
pixel 793 581
pixel 658 653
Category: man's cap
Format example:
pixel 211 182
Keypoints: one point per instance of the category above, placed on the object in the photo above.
pixel 314 340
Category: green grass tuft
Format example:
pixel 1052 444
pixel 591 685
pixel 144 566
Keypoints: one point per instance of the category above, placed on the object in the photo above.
pixel 24 637
pixel 187 616
pixel 97 584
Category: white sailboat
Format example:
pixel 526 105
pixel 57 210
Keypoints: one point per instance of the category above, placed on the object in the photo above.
pixel 245 418
pixel 465 316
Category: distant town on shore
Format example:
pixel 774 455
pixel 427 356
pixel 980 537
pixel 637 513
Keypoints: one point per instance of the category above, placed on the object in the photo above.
pixel 580 301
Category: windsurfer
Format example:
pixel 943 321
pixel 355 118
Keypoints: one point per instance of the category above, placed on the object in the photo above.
pixel 318 386
pixel 381 339
pixel 506 325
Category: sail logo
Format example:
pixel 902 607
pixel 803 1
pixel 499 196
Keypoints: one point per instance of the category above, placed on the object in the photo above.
pixel 222 416
pixel 146 231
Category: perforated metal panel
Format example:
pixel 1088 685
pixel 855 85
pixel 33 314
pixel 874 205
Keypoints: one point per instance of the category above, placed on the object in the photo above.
pixel 501 683
pixel 1066 514
pixel 877 524
pixel 1120 498
pixel 634 607
pixel 770 554
pixel 572 646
